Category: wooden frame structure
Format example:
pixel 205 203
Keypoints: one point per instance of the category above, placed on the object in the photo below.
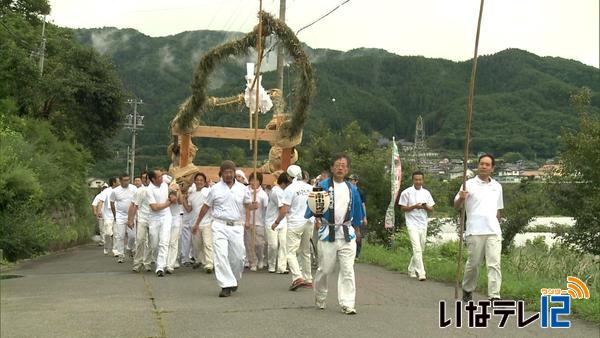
pixel 212 172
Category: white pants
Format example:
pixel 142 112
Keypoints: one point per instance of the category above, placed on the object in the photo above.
pixel 101 229
pixel 490 247
pixel 276 249
pixel 160 235
pixel 330 253
pixel 203 246
pixel 228 243
pixel 298 244
pixel 418 238
pixel 107 225
pixel 131 237
pixel 142 249
pixel 256 256
pixel 185 242
pixel 174 242
pixel 119 237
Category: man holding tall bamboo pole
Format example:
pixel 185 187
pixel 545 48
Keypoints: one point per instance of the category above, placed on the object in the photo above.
pixel 481 196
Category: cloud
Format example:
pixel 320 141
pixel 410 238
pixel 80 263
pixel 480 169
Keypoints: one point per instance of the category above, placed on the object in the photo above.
pixel 167 59
pixel 103 41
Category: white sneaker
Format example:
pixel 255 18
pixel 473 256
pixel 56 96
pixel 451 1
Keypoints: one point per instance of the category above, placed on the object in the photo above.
pixel 253 268
pixel 412 275
pixel 106 251
pixel 320 304
pixel 348 310
pixel 261 266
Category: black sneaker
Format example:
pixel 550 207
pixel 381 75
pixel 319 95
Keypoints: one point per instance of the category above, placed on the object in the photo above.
pixel 225 292
pixel 233 288
pixel 467 296
pixel 160 273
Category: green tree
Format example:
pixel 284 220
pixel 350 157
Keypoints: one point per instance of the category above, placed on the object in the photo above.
pixel 50 126
pixel 577 189
pixel 512 157
pixel 30 9
pixel 237 155
pixel 520 206
pixel 79 92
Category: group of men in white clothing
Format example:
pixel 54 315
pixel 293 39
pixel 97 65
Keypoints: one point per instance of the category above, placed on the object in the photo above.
pixel 111 207
pixel 229 225
pixel 482 198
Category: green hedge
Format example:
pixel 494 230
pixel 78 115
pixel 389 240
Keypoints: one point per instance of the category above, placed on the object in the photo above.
pixel 44 197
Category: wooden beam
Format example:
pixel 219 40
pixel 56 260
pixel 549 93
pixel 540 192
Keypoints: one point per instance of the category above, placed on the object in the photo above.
pixel 212 173
pixel 184 150
pixel 232 133
pixel 286 158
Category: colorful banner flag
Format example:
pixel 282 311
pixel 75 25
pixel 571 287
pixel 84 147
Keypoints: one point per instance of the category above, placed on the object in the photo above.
pixel 395 180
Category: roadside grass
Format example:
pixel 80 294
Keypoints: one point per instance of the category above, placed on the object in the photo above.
pixel 525 270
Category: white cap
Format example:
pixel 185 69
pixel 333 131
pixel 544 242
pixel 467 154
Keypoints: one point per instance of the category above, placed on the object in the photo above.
pixel 105 185
pixel 295 171
pixel 241 173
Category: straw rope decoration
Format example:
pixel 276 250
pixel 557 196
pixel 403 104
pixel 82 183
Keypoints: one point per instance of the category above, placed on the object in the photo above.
pixel 191 110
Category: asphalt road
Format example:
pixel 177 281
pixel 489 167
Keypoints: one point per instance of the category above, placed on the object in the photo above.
pixel 82 293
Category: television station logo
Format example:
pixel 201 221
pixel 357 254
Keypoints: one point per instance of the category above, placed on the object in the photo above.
pixel 554 303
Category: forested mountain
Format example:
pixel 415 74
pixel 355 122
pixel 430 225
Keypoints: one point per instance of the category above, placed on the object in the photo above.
pixel 522 100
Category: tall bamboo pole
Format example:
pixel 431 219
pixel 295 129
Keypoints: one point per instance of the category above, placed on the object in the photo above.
pixel 466 152
pixel 259 50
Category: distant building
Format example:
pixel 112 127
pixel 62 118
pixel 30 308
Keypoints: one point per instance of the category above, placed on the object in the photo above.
pixel 509 171
pixel 508 179
pixel 545 171
pixel 458 172
pixel 551 169
pixel 406 146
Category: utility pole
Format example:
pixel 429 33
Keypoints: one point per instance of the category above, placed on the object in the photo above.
pixel 134 122
pixel 280 55
pixel 42 50
pixel 420 148
pixel 128 161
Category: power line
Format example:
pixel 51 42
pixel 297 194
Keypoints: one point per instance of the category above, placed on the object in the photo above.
pixel 23 43
pixel 323 16
pixel 310 24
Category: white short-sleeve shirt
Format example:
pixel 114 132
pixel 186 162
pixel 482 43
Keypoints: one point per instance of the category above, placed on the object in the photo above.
pixel 482 205
pixel 140 200
pixel 416 218
pixel 106 211
pixel 122 198
pixel 296 196
pixel 275 202
pixel 176 209
pixel 197 199
pixel 97 199
pixel 262 199
pixel 227 203
pixel 341 196
pixel 158 195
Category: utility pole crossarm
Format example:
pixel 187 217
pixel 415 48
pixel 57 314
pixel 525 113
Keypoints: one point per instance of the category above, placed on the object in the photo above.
pixel 134 123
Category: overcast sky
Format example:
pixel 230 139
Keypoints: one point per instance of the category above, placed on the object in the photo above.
pixel 432 28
